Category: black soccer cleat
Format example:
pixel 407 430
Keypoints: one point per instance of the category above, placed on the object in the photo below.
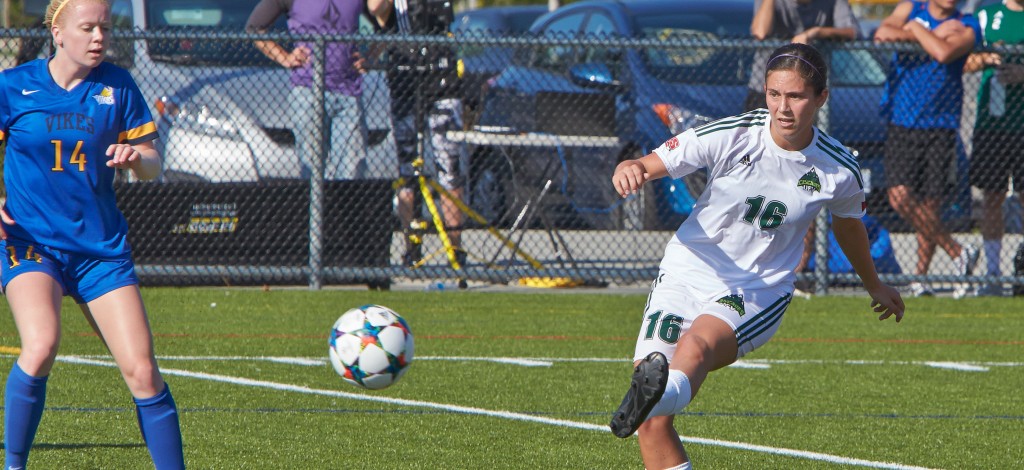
pixel 645 389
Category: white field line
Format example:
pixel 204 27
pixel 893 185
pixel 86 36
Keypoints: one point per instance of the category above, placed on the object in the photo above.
pixel 497 414
pixel 969 366
pixel 963 366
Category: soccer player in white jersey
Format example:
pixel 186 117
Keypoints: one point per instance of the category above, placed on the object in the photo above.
pixel 727 275
pixel 69 122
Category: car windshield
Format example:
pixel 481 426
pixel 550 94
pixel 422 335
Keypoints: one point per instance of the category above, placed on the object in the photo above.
pixel 510 23
pixel 697 65
pixel 196 15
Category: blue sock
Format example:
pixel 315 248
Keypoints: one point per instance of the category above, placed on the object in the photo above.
pixel 23 405
pixel 158 420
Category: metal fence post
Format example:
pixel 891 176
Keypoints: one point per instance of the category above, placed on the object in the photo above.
pixel 316 177
pixel 821 222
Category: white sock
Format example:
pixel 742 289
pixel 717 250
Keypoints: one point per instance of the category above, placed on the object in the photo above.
pixel 676 397
pixel 992 249
pixel 682 466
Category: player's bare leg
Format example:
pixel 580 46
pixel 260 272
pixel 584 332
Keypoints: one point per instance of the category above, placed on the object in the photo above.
pixel 38 322
pixel 35 300
pixel 121 319
pixel 709 344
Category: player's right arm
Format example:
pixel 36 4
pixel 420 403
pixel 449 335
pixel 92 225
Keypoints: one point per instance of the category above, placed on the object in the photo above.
pixel 630 175
pixel 891 28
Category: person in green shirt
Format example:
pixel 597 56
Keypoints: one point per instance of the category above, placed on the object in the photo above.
pixel 999 129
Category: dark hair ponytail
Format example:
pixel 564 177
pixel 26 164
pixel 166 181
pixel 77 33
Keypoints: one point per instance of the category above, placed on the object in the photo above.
pixel 801 58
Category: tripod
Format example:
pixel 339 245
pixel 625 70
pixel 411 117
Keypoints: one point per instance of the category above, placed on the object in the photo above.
pixel 426 187
pixel 418 227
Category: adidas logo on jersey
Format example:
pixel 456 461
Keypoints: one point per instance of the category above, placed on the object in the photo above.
pixel 745 160
pixel 809 182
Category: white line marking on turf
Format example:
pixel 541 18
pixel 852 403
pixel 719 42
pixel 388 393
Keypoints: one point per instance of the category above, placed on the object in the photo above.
pixel 749 365
pixel 497 414
pixel 518 361
pixel 311 361
pixel 968 366
pixel 957 366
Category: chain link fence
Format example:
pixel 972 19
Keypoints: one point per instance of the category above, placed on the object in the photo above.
pixel 528 131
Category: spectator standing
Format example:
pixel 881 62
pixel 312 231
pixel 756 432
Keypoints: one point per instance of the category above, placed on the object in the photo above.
pixel 423 82
pixel 999 129
pixel 343 113
pixel 922 102
pixel 799 21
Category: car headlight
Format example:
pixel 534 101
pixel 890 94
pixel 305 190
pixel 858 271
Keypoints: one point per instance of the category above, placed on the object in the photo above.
pixel 678 119
pixel 196 117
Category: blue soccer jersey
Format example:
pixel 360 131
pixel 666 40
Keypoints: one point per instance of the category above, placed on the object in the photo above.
pixel 60 192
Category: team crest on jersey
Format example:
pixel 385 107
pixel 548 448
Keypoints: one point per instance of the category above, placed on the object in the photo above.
pixel 106 96
pixel 809 182
pixel 672 143
pixel 733 301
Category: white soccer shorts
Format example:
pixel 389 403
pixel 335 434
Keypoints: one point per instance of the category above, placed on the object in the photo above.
pixel 672 306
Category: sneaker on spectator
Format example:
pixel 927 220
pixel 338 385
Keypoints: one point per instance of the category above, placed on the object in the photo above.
pixel 991 289
pixel 918 289
pixel 967 260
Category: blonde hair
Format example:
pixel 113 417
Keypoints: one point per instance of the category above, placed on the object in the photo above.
pixel 56 7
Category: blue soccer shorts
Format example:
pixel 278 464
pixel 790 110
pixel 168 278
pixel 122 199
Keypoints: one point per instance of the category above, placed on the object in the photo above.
pixel 672 306
pixel 83 278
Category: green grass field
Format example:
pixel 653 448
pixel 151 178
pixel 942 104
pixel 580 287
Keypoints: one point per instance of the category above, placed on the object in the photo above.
pixel 943 389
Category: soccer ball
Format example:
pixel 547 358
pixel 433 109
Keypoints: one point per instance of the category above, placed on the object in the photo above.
pixel 371 346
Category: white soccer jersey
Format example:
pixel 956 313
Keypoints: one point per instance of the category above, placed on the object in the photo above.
pixel 747 228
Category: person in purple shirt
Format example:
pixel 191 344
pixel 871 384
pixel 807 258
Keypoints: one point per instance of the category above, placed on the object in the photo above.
pixel 346 143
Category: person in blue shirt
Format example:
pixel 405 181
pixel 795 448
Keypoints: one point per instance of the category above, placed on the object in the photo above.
pixel 923 98
pixel 70 122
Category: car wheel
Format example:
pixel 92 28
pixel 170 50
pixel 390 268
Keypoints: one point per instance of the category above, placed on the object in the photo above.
pixel 492 188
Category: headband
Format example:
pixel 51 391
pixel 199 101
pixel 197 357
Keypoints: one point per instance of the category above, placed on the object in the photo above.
pixel 57 11
pixel 801 59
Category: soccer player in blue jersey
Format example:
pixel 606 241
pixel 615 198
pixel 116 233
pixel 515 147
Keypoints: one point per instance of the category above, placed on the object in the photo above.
pixel 69 122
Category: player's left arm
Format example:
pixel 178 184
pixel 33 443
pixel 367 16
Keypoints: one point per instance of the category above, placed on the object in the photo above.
pixel 853 239
pixel 142 159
